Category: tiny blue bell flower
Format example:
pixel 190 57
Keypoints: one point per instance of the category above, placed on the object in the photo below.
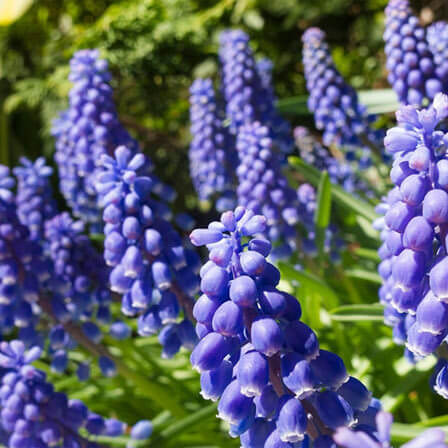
pixel 266 336
pixel 252 373
pixel 292 420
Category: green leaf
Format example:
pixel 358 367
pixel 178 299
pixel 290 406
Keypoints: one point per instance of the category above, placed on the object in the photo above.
pixel 395 395
pixel 354 313
pixel 309 281
pixel 343 198
pixel 370 254
pixel 402 432
pixel 189 421
pixel 322 213
pixel 323 210
pixel 377 101
pixel 364 275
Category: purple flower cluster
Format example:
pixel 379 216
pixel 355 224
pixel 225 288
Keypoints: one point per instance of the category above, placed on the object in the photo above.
pixel 437 37
pixel 212 160
pixel 414 265
pixel 35 415
pixel 89 128
pixel 337 111
pixel 78 289
pixel 247 90
pixel 263 188
pixel 35 202
pixel 345 438
pixel 412 72
pixel 21 264
pixel 151 268
pixel 276 388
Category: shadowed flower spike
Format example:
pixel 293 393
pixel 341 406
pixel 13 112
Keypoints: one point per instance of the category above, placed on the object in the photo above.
pixel 263 188
pixel 35 415
pixel 247 90
pixel 437 36
pixel 151 267
pixel 337 111
pixel 412 71
pixel 87 130
pixel 35 202
pixel 255 356
pixel 344 437
pixel 212 157
pixel 415 215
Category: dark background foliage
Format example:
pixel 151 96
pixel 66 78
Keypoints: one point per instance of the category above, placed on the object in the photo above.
pixel 156 47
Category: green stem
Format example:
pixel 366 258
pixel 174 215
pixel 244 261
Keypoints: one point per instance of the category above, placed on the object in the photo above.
pixel 154 391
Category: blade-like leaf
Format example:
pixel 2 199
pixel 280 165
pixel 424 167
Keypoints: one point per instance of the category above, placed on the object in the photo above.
pixel 354 313
pixel 342 197
pixel 377 101
pixel 322 213
pixel 402 433
pixel 364 275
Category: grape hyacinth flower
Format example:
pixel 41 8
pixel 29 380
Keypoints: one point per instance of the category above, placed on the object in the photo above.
pixel 78 289
pixel 281 128
pixel 212 157
pixel 437 37
pixel 151 268
pixel 414 231
pixel 21 264
pixel 35 415
pixel 35 202
pixel 264 189
pixel 246 92
pixel 256 356
pixel 89 128
pixel 346 438
pixel 337 111
pixel 412 71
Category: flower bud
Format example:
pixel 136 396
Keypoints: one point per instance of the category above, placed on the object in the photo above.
pixel 333 410
pixel 234 407
pixel 423 343
pixel 301 339
pixel 210 352
pixel 414 188
pixel 214 282
pixel 213 382
pixel 272 302
pixel 408 268
pixel 435 206
pixel 438 279
pixel 292 420
pixel 266 403
pixel 252 373
pixel 243 291
pixel 418 234
pixel 252 262
pixel 202 237
pixel 329 369
pixel 356 394
pixel 432 314
pixel 228 319
pixel 266 336
pixel 298 375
